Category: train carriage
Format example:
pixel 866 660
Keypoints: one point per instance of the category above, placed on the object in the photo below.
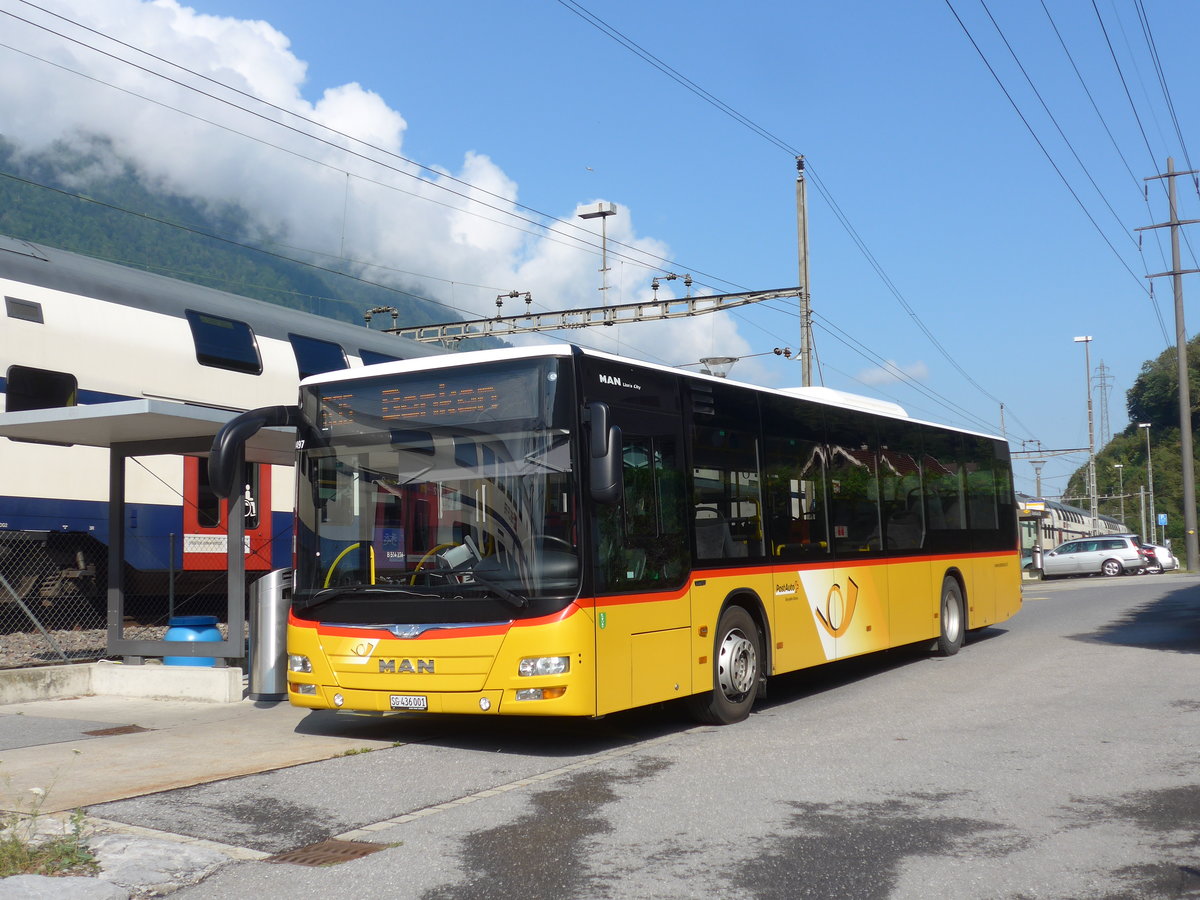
pixel 78 331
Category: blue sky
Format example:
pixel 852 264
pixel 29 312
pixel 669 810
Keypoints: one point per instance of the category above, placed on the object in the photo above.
pixel 909 136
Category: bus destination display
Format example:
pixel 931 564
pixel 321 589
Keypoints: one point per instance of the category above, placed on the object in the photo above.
pixel 386 403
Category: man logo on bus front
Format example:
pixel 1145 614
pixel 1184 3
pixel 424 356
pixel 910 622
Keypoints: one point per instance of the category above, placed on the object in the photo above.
pixel 406 667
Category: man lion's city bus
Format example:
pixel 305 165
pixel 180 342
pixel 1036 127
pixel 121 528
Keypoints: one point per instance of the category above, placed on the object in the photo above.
pixel 560 532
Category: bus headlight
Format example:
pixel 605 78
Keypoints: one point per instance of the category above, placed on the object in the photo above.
pixel 298 663
pixel 544 665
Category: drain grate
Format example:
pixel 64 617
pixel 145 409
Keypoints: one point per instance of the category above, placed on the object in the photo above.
pixel 119 729
pixel 327 853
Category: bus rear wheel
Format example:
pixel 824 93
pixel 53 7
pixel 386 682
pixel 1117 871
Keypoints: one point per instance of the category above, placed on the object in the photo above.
pixel 952 617
pixel 737 670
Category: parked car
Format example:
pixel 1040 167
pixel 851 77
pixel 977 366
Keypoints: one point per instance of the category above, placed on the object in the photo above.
pixel 1111 554
pixel 1161 558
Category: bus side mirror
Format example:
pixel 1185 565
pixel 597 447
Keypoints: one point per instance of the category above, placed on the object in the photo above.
pixel 229 446
pixel 604 464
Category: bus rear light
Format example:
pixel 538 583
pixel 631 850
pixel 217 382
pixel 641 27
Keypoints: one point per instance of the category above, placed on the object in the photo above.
pixel 550 693
pixel 544 665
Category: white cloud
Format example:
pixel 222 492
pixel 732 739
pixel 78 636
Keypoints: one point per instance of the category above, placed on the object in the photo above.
pixel 892 372
pixel 315 193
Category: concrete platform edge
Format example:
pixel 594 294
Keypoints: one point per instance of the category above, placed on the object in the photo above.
pixel 149 681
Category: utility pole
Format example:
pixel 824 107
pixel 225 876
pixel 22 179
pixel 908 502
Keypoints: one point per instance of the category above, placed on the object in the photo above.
pixel 602 213
pixel 1185 400
pixel 1103 383
pixel 1086 340
pixel 805 304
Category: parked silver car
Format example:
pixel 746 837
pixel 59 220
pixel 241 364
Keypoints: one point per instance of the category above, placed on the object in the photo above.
pixel 1105 555
pixel 1161 558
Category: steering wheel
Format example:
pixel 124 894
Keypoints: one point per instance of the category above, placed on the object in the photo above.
pixel 557 541
pixel 431 554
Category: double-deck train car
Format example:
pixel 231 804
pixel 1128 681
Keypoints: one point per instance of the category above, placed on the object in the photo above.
pixel 1048 523
pixel 77 330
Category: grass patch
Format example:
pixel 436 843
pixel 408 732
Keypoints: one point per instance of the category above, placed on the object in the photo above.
pixel 23 851
pixel 26 848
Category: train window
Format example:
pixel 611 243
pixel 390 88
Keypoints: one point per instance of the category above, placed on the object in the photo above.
pixel 224 343
pixel 371 357
pixel 314 356
pixel 23 309
pixel 29 388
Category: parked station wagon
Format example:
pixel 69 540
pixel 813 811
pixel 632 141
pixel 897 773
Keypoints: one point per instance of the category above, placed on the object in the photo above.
pixel 1108 555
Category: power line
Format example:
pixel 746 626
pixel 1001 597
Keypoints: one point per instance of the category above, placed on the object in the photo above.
pixel 1041 146
pixel 725 108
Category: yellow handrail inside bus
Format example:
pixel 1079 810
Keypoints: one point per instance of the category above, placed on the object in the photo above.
pixel 340 556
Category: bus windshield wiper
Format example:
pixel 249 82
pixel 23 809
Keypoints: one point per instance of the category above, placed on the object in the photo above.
pixel 502 592
pixel 324 596
pixel 476 579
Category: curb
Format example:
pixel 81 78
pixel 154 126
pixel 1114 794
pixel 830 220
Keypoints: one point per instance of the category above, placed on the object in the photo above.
pixel 148 681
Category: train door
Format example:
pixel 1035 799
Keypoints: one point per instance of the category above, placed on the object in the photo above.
pixel 206 518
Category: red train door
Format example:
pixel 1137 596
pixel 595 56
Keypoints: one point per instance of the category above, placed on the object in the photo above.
pixel 206 518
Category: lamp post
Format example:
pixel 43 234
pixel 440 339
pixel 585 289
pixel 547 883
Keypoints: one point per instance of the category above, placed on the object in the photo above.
pixel 1091 477
pixel 1120 467
pixel 602 213
pixel 1150 478
pixel 717 365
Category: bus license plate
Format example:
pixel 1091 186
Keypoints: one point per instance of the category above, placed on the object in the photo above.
pixel 409 701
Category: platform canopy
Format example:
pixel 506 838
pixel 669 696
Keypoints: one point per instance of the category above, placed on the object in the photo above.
pixel 143 426
pixel 153 427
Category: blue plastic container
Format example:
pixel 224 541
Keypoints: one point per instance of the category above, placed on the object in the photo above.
pixel 192 628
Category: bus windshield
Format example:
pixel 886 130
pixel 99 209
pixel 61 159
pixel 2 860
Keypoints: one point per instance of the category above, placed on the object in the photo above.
pixel 443 496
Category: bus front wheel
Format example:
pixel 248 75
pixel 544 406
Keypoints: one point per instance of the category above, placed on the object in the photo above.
pixel 737 669
pixel 952 617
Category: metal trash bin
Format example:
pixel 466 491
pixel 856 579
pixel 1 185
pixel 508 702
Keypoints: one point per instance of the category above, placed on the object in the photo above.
pixel 270 598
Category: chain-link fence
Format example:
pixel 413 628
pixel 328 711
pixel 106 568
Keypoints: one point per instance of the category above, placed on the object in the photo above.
pixel 52 598
pixel 54 595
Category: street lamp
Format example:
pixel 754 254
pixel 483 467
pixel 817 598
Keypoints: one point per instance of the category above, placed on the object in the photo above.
pixel 602 212
pixel 718 365
pixel 1150 478
pixel 1087 361
pixel 1120 467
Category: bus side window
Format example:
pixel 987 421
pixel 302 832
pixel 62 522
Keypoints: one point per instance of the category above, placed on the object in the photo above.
pixel 944 478
pixel 642 542
pixel 726 485
pixel 900 498
pixel 794 480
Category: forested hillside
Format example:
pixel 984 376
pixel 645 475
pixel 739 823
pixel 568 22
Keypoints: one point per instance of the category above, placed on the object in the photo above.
pixel 1154 399
pixel 125 221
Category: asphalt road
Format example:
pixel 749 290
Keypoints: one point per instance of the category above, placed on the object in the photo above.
pixel 1055 757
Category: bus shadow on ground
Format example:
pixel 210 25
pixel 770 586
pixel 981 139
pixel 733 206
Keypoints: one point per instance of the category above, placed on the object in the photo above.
pixel 1171 622
pixel 517 735
pixel 832 676
pixel 567 737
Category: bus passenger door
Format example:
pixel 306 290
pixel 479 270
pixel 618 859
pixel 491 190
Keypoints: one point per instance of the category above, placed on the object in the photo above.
pixel 640 553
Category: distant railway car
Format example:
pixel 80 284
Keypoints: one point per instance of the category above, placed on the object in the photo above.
pixel 1051 523
pixel 77 330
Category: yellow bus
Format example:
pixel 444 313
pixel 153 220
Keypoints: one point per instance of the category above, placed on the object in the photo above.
pixel 559 532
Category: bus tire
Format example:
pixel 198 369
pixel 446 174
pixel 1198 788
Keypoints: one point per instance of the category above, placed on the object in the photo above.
pixel 737 671
pixel 952 617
